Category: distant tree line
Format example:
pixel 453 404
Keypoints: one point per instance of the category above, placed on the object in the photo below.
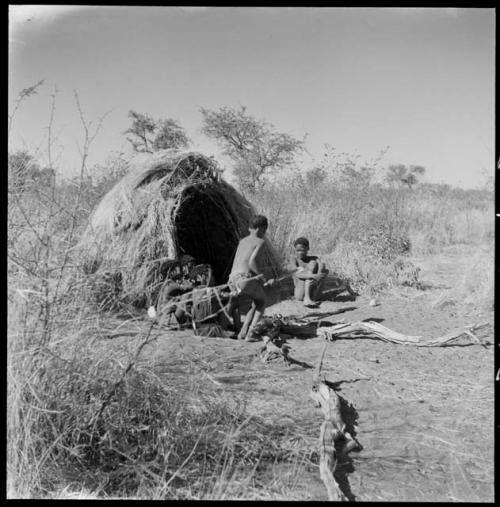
pixel 255 146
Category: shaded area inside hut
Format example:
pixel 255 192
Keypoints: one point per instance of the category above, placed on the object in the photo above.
pixel 207 230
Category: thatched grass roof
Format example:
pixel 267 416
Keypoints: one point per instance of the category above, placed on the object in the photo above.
pixel 167 205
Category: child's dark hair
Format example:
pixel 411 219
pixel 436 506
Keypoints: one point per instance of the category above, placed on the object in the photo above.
pixel 168 269
pixel 301 241
pixel 186 259
pixel 258 222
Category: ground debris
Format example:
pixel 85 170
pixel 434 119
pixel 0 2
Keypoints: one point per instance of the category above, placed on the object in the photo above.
pixel 274 350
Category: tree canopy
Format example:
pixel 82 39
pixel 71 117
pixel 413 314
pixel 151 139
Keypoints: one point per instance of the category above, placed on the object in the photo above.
pixel 254 145
pixel 404 175
pixel 148 135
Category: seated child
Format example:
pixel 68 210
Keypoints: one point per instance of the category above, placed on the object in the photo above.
pixel 208 311
pixel 308 273
pixel 178 283
pixel 199 275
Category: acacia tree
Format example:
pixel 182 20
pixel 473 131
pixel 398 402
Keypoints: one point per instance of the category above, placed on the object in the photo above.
pixel 169 134
pixel 404 175
pixel 148 135
pixel 254 145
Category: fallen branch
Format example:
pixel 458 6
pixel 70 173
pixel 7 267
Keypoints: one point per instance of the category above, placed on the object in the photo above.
pixel 332 433
pixel 376 330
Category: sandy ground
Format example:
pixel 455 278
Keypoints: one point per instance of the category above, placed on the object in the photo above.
pixel 424 416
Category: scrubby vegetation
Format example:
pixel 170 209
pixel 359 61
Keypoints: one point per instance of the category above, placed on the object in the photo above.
pixel 80 417
pixel 366 230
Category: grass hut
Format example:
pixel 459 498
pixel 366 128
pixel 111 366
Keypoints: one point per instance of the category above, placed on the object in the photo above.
pixel 168 204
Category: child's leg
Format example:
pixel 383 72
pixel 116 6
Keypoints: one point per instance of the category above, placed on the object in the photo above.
pixel 259 310
pixel 246 324
pixel 254 290
pixel 259 305
pixel 235 314
pixel 233 309
pixel 299 288
pixel 308 289
pixel 309 285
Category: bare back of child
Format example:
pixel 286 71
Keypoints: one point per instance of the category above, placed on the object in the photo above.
pixel 246 278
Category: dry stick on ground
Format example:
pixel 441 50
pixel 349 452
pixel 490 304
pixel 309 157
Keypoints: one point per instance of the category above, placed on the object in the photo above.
pixel 388 335
pixel 332 431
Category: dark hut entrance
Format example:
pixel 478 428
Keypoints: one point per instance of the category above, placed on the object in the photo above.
pixel 206 229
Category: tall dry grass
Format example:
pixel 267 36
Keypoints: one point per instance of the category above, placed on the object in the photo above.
pixel 90 420
pixel 473 292
pixel 365 229
pixel 87 419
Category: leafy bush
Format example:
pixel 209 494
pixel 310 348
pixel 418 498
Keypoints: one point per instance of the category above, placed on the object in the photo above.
pixel 383 244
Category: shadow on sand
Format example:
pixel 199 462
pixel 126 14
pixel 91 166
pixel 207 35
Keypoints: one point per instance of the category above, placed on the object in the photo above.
pixel 333 289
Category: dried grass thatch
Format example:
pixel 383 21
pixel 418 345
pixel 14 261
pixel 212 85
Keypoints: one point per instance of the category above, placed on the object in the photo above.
pixel 167 205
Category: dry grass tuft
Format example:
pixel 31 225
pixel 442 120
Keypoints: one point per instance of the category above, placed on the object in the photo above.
pixel 95 420
pixel 475 289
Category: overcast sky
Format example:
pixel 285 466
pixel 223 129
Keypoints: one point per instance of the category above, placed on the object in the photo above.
pixel 418 80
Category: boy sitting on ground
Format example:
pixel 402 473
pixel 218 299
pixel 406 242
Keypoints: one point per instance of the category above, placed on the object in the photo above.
pixel 199 275
pixel 308 273
pixel 181 277
pixel 247 279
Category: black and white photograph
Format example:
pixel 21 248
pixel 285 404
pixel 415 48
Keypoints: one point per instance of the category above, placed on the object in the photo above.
pixel 250 253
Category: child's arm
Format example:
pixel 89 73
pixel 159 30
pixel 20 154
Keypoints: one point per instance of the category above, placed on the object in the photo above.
pixel 310 272
pixel 292 265
pixel 314 271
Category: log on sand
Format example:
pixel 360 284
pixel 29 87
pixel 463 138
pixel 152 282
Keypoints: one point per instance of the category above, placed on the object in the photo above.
pixel 376 330
pixel 334 440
